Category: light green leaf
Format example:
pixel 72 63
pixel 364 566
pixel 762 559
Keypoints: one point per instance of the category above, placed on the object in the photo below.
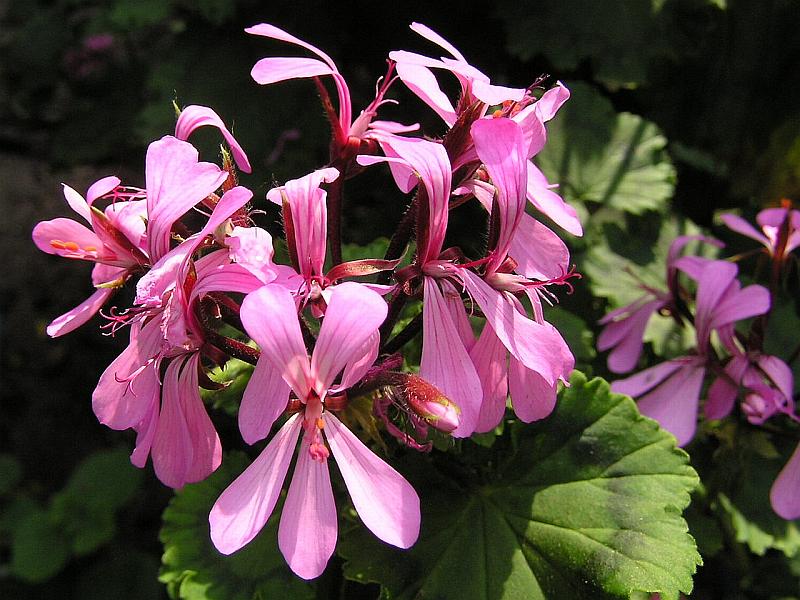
pixel 235 375
pixel 602 157
pixel 194 570
pixel 589 506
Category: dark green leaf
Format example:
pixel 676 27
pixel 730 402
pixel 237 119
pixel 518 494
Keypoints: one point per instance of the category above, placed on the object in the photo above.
pixel 38 548
pixel 589 506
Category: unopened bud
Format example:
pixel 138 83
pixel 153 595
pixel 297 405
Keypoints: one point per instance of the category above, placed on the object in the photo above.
pixel 430 404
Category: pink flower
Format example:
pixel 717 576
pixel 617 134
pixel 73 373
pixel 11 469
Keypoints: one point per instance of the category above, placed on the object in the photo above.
pixel 193 117
pixel 623 333
pixel 385 501
pixel 517 103
pixel 274 69
pixel 670 392
pixel 771 220
pixel 116 242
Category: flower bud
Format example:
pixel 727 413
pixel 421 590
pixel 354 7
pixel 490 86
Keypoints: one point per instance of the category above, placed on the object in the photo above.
pixel 430 404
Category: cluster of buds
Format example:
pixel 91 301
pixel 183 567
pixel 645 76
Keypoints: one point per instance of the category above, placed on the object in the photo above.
pixel 325 334
pixel 736 364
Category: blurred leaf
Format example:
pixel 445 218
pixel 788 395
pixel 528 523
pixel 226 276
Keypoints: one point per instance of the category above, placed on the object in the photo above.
pixel 375 249
pixel 136 14
pixel 576 332
pixel 587 507
pixel 38 548
pixel 122 573
pixel 194 569
pixel 599 156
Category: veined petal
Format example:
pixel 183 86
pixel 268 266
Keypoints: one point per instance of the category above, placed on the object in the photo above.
pixel 547 106
pixel 674 403
pixel 195 116
pixel 277 68
pixel 172 451
pixel 531 396
pixel 243 508
pixel 430 35
pixel 724 389
pixel 491 363
pixel 145 432
pixel 783 495
pixel 72 319
pixel 539 346
pixel 308 527
pixel 495 94
pixel 270 317
pixel 538 251
pixel 176 181
pixel 77 203
pixel 129 385
pixel 264 400
pixel 530 121
pixel 445 362
pixel 422 82
pixel 206 447
pixel 626 337
pixel 745 303
pixel 360 363
pixel 501 148
pixel 779 372
pixel 712 286
pixel 641 382
pixel 385 501
pixel 550 203
pixel 353 315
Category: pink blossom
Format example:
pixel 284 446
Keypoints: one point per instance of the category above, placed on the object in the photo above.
pixel 116 242
pixel 193 117
pixel 670 391
pixel 771 221
pixel 385 501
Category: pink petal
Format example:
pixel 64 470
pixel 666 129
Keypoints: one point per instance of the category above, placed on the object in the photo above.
pixel 361 363
pixel 739 225
pixel 353 316
pixel 501 148
pixel 713 284
pixel 120 402
pixel 422 82
pixel 779 372
pixel 270 317
pixel 531 396
pixel 430 35
pixel 539 346
pixel 385 501
pixel 491 363
pixel 445 362
pixel 275 69
pixel 674 403
pixel 206 447
pixel 79 315
pixel 195 116
pixel 264 400
pixel 67 230
pixel 547 106
pixel 626 336
pixel 538 251
pixel 176 181
pixel 784 495
pixel 533 130
pixel 496 94
pixel 458 313
pixel 749 302
pixel 243 508
pixel 100 188
pixel 77 203
pixel 308 527
pixel 641 382
pixel 550 203
pixel 172 451
pixel 145 432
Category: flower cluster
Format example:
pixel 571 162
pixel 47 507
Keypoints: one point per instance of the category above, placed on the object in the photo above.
pixel 731 361
pixel 325 329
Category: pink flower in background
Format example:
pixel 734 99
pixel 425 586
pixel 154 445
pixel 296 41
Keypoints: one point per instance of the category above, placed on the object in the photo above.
pixel 670 391
pixel 623 333
pixel 385 501
pixel 771 220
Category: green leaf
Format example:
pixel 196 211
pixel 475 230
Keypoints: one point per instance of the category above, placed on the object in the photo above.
pixel 235 375
pixel 85 509
pixel 194 570
pixel 576 333
pixel 375 249
pixel 38 548
pixel 599 156
pixel 588 506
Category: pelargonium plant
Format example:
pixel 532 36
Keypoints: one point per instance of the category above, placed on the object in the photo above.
pixel 333 343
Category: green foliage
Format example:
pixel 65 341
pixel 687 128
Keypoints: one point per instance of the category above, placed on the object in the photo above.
pixel 602 157
pixel 194 570
pixel 234 376
pixel 587 506
pixel 78 519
